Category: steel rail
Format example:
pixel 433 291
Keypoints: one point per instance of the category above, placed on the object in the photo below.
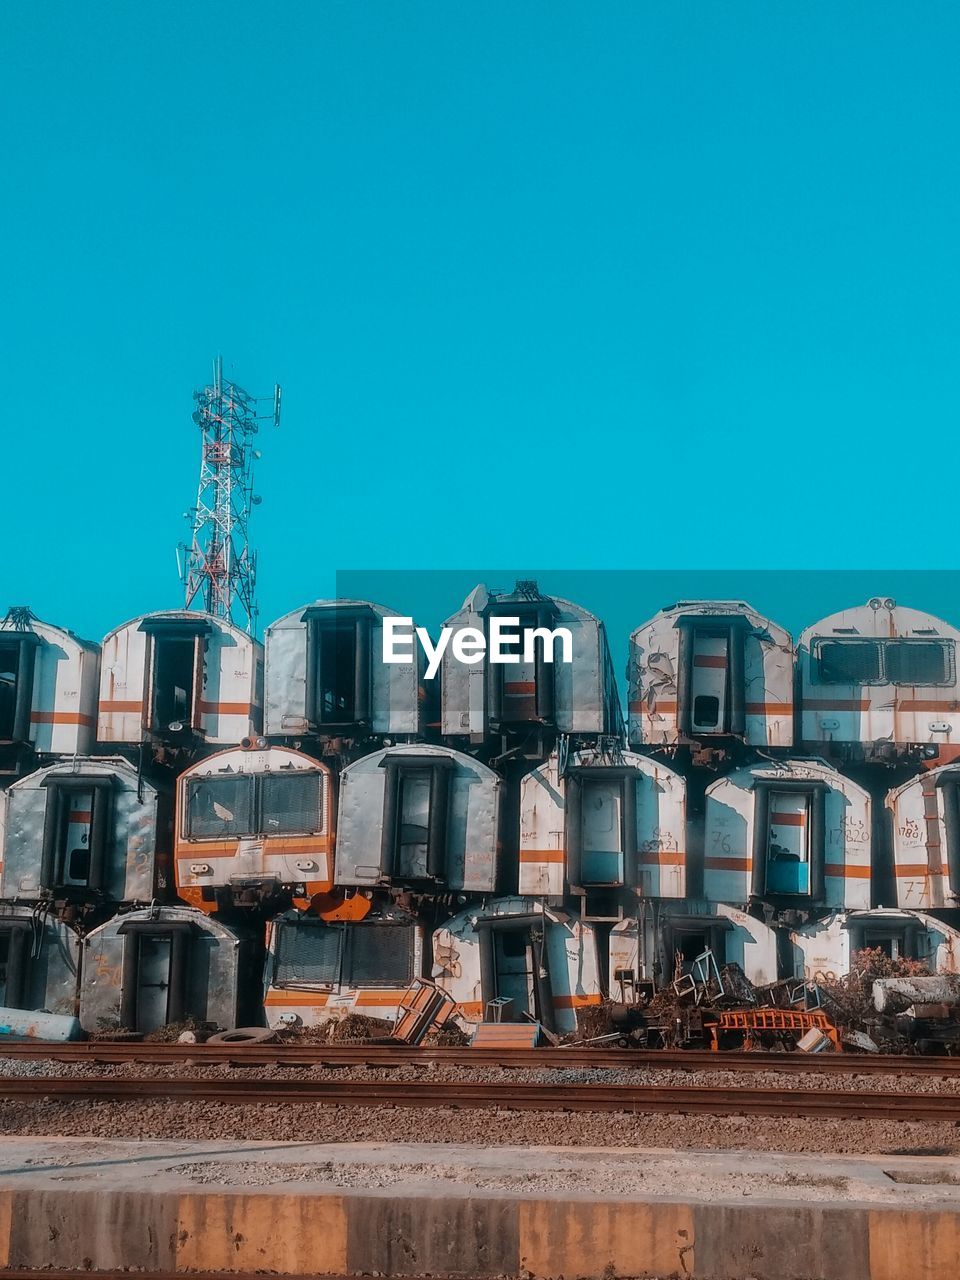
pixel 514 1096
pixel 394 1056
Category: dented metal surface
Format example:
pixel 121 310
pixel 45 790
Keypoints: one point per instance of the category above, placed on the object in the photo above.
pixel 316 972
pixel 43 961
pixel 394 692
pixel 48 834
pixel 794 832
pixel 388 801
pixel 128 978
pixel 710 669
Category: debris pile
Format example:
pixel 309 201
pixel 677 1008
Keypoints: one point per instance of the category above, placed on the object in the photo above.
pixel 884 1005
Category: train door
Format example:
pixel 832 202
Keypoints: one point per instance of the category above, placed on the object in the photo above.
pixel 513 961
pixel 14 938
pixel 153 981
pixel 339 670
pixel 788 842
pixel 708 679
pixel 601 858
pixel 413 823
pixel 175 657
pixel 523 692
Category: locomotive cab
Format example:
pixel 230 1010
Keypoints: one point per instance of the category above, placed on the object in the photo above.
pixel 254 826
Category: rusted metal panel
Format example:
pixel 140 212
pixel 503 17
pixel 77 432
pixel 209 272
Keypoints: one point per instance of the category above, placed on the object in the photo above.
pixel 550 980
pixel 312 977
pixel 286 841
pixel 837 857
pixel 213 970
pixel 707 669
pixel 50 961
pixel 215 692
pixel 133 861
pixel 924 832
pixel 396 696
pixel 470 837
pixel 62 678
pixel 584 693
pixel 879 678
pixel 652 863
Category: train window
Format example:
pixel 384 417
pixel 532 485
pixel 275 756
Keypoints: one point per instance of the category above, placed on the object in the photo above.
pixel 913 662
pixel 307 954
pixel 788 842
pixel 380 955
pixel 706 712
pixel 338 666
pixel 849 662
pixel 290 803
pixel 219 807
pixel 17 660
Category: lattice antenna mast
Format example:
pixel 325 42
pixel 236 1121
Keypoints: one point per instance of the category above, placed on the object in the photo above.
pixel 219 571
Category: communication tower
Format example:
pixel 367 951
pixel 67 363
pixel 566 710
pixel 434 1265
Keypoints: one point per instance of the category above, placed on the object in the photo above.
pixel 219 570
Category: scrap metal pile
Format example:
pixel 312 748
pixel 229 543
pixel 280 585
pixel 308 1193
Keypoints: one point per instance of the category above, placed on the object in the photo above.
pixel 881 1006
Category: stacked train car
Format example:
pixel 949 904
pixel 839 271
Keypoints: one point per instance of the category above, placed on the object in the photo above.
pixel 196 829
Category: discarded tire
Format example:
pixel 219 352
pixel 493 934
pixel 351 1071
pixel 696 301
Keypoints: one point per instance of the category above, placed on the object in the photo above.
pixel 243 1035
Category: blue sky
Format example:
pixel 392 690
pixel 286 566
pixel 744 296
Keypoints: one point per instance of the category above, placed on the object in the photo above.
pixel 620 285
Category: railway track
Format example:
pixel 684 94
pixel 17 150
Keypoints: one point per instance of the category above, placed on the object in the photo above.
pixel 394 1056
pixel 517 1096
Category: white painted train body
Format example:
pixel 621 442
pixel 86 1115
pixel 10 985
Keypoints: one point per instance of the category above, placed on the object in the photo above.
pixel 825 949
pixel 880 682
pixel 793 833
pixel 607 826
pixel 180 678
pixel 48 688
pixel 538 961
pixel 925 818
pixel 706 670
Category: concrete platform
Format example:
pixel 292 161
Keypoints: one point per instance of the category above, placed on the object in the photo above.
pixel 424 1209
